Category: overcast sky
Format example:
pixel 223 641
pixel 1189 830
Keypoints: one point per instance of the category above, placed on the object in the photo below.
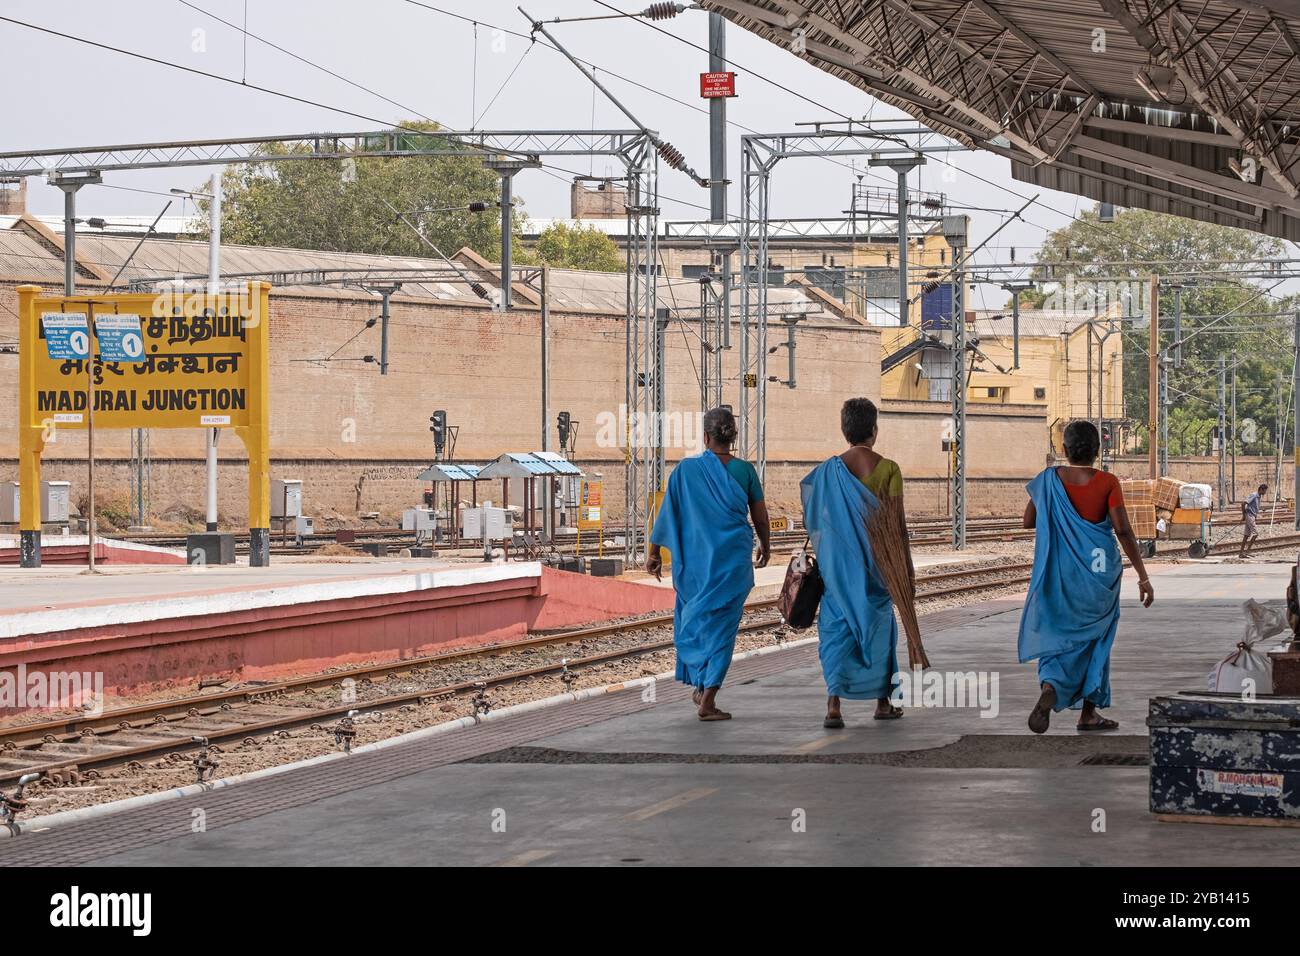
pixel 425 60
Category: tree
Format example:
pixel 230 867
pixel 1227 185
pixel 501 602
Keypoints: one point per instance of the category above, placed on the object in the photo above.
pixel 1107 262
pixel 339 205
pixel 578 247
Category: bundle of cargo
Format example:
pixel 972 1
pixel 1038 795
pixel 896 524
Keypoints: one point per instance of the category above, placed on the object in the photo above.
pixel 1139 500
pixel 1138 491
pixel 1166 493
pixel 1194 497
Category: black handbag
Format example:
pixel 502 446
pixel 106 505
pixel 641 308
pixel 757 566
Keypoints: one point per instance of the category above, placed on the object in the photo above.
pixel 801 591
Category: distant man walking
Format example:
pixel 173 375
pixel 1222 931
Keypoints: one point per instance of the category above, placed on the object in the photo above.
pixel 1250 515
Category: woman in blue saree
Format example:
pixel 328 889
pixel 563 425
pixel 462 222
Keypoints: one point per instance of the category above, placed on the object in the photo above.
pixel 1072 611
pixel 857 631
pixel 703 522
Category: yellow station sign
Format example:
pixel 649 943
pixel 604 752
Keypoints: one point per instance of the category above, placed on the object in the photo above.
pixel 191 361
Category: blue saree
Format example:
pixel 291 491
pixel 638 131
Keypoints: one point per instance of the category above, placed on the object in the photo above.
pixel 857 632
pixel 704 524
pixel 1072 611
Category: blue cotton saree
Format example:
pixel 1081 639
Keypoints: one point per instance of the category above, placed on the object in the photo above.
pixel 704 524
pixel 1072 611
pixel 857 632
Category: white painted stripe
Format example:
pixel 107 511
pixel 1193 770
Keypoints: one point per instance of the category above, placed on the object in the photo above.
pixel 672 803
pixel 530 856
pixel 81 540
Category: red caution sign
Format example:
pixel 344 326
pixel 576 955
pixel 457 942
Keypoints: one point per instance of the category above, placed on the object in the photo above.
pixel 713 85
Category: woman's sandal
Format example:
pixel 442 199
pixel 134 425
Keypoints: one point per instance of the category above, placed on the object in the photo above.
pixel 1041 716
pixel 716 715
pixel 833 723
pixel 1103 723
pixel 697 695
pixel 892 714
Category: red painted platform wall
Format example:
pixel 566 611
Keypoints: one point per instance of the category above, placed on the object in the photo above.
pixel 279 642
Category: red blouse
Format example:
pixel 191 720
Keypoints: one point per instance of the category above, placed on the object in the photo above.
pixel 1094 500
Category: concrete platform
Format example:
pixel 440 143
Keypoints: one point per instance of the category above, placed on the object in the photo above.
pixel 622 780
pixel 151 627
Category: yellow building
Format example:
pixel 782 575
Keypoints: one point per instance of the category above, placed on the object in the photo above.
pixel 1067 360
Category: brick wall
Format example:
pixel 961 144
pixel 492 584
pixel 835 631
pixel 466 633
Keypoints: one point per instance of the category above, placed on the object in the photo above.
pixel 340 424
pixel 334 423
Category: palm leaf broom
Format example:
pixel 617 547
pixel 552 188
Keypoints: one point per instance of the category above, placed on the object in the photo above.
pixel 887 531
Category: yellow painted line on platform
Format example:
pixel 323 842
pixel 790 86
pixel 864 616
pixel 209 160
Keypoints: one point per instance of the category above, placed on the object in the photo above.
pixel 530 856
pixel 672 803
pixel 818 744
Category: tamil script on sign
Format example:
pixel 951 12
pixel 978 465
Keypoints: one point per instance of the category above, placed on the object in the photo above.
pixel 159 371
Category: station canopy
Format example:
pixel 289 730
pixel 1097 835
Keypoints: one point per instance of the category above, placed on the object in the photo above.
pixel 538 464
pixel 1187 107
pixel 448 471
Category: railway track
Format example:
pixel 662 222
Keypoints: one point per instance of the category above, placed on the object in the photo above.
pixel 73 752
pixel 925 531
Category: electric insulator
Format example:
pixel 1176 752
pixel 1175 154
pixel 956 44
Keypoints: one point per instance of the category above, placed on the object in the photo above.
pixel 671 155
pixel 479 290
pixel 478 206
pixel 663 11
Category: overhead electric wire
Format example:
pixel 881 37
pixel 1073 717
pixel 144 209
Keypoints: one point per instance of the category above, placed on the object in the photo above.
pixel 289 96
pixel 306 101
pixel 504 83
pixel 301 59
pixel 628 80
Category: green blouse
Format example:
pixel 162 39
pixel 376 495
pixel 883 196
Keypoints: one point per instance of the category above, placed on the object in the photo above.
pixel 885 480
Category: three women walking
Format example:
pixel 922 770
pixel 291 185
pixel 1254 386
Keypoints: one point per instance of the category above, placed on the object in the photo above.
pixel 1070 616
pixel 704 522
pixel 1072 611
pixel 857 631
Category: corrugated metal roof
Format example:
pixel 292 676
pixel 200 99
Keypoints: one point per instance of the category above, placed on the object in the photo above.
pixel 22 257
pixel 1053 86
pixel 569 289
pixel 449 471
pixel 558 463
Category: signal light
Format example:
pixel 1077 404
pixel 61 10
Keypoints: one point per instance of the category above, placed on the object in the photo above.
pixel 438 425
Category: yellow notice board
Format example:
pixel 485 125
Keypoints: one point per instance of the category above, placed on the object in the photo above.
pixel 590 513
pixel 196 361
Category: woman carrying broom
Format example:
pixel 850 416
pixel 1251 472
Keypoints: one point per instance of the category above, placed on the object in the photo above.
pixel 1072 611
pixel 703 524
pixel 842 498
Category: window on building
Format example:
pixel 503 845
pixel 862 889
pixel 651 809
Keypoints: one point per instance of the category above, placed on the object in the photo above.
pixel 694 272
pixel 881 311
pixel 775 275
pixel 936 368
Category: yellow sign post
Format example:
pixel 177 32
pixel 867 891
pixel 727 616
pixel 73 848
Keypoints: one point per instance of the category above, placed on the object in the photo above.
pixel 591 514
pixel 202 362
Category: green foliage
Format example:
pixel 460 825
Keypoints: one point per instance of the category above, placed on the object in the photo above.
pixel 1222 316
pixel 578 247
pixel 338 205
